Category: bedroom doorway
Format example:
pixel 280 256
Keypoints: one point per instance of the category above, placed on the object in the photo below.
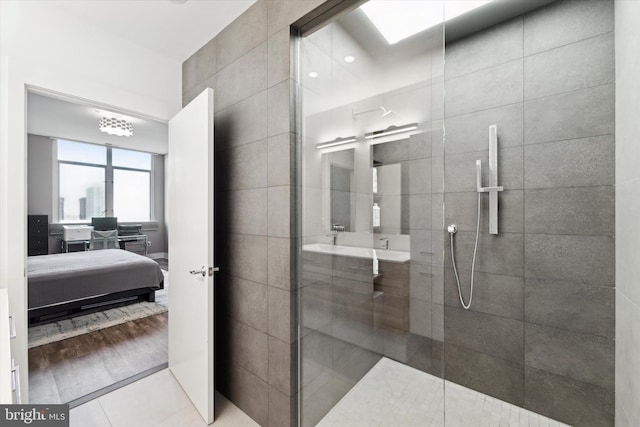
pixel 116 336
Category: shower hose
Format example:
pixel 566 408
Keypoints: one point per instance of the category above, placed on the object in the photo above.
pixel 473 263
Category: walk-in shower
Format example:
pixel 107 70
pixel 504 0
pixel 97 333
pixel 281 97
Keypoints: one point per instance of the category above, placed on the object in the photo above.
pixel 478 150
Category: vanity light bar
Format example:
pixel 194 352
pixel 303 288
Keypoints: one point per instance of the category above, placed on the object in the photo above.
pixel 337 141
pixel 390 131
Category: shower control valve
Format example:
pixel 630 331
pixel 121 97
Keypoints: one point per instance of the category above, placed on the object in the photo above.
pixel 453 229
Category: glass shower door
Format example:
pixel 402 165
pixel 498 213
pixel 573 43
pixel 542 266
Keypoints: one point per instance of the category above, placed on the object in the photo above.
pixel 371 275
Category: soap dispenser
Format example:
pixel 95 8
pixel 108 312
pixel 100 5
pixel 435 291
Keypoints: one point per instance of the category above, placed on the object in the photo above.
pixel 376 215
pixel 376 270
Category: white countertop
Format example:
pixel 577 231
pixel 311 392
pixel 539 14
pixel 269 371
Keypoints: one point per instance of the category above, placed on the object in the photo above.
pixel 356 252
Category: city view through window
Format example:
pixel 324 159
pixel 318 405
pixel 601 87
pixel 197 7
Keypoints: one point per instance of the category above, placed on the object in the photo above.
pixel 85 172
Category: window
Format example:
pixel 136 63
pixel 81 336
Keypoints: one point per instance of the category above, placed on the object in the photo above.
pixel 103 181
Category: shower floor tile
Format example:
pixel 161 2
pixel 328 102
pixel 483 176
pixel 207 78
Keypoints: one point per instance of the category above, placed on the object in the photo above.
pixel 393 394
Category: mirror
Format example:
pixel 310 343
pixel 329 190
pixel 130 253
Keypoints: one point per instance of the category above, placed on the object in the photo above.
pixel 340 167
pixel 340 186
pixel 367 188
pixel 390 178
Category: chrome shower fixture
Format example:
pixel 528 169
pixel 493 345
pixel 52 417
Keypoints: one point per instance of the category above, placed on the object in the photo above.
pixel 493 187
pixel 493 210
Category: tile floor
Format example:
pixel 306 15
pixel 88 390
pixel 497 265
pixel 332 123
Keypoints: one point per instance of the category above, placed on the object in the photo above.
pixel 389 395
pixel 392 394
pixel 154 401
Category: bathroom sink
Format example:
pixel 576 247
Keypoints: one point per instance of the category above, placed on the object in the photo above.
pixel 323 248
pixel 358 252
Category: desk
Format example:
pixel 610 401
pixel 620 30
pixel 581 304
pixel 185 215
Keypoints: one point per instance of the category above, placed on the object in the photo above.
pixel 136 243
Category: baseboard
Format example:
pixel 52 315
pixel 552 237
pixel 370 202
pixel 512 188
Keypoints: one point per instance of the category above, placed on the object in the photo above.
pixel 157 255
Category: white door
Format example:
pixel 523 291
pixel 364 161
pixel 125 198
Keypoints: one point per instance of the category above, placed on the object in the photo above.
pixel 190 229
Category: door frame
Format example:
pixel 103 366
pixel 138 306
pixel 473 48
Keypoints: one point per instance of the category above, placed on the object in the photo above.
pixel 17 78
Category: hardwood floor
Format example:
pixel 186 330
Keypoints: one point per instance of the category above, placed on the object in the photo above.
pixel 163 263
pixel 67 370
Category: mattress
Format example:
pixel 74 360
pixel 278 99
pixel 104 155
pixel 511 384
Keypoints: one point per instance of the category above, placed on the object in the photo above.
pixel 59 278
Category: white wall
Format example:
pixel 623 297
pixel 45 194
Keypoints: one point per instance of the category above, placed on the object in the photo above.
pixel 627 34
pixel 43 48
pixel 79 122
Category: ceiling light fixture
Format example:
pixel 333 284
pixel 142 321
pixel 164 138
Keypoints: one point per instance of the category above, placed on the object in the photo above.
pixel 398 19
pixel 349 59
pixel 390 131
pixel 313 74
pixel 114 126
pixel 337 141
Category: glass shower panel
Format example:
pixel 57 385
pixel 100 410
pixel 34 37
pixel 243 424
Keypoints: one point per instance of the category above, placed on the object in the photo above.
pixel 521 354
pixel 371 275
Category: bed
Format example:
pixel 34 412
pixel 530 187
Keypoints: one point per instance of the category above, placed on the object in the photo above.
pixel 67 283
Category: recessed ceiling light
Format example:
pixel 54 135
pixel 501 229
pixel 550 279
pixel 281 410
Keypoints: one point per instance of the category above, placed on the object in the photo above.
pixel 349 58
pixel 178 1
pixel 313 74
pixel 398 19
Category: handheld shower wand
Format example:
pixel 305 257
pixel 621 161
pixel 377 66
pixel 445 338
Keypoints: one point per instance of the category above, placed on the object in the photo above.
pixel 493 190
pixel 452 229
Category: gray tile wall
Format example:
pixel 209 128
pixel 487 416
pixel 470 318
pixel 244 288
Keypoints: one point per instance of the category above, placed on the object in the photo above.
pixel 627 34
pixel 540 332
pixel 248 66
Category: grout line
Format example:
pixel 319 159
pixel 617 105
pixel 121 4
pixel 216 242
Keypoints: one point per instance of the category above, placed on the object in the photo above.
pixel 627 298
pixel 625 413
pixel 534 144
pixel 540 234
pixel 630 181
pixel 523 56
pixel 600 409
pixel 484 69
pixel 538 188
pixel 104 412
pixel 521 320
pixel 495 107
pixel 567 44
pixel 523 102
pixel 612 339
pixel 611 83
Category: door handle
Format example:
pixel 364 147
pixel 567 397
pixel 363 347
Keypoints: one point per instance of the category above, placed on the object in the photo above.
pixel 202 271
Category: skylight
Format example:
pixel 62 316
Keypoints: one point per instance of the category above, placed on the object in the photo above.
pixel 398 19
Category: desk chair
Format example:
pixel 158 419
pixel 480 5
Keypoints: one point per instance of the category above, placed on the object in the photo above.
pixel 104 240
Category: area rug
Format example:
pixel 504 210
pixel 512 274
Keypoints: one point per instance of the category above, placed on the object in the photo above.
pixel 67 328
